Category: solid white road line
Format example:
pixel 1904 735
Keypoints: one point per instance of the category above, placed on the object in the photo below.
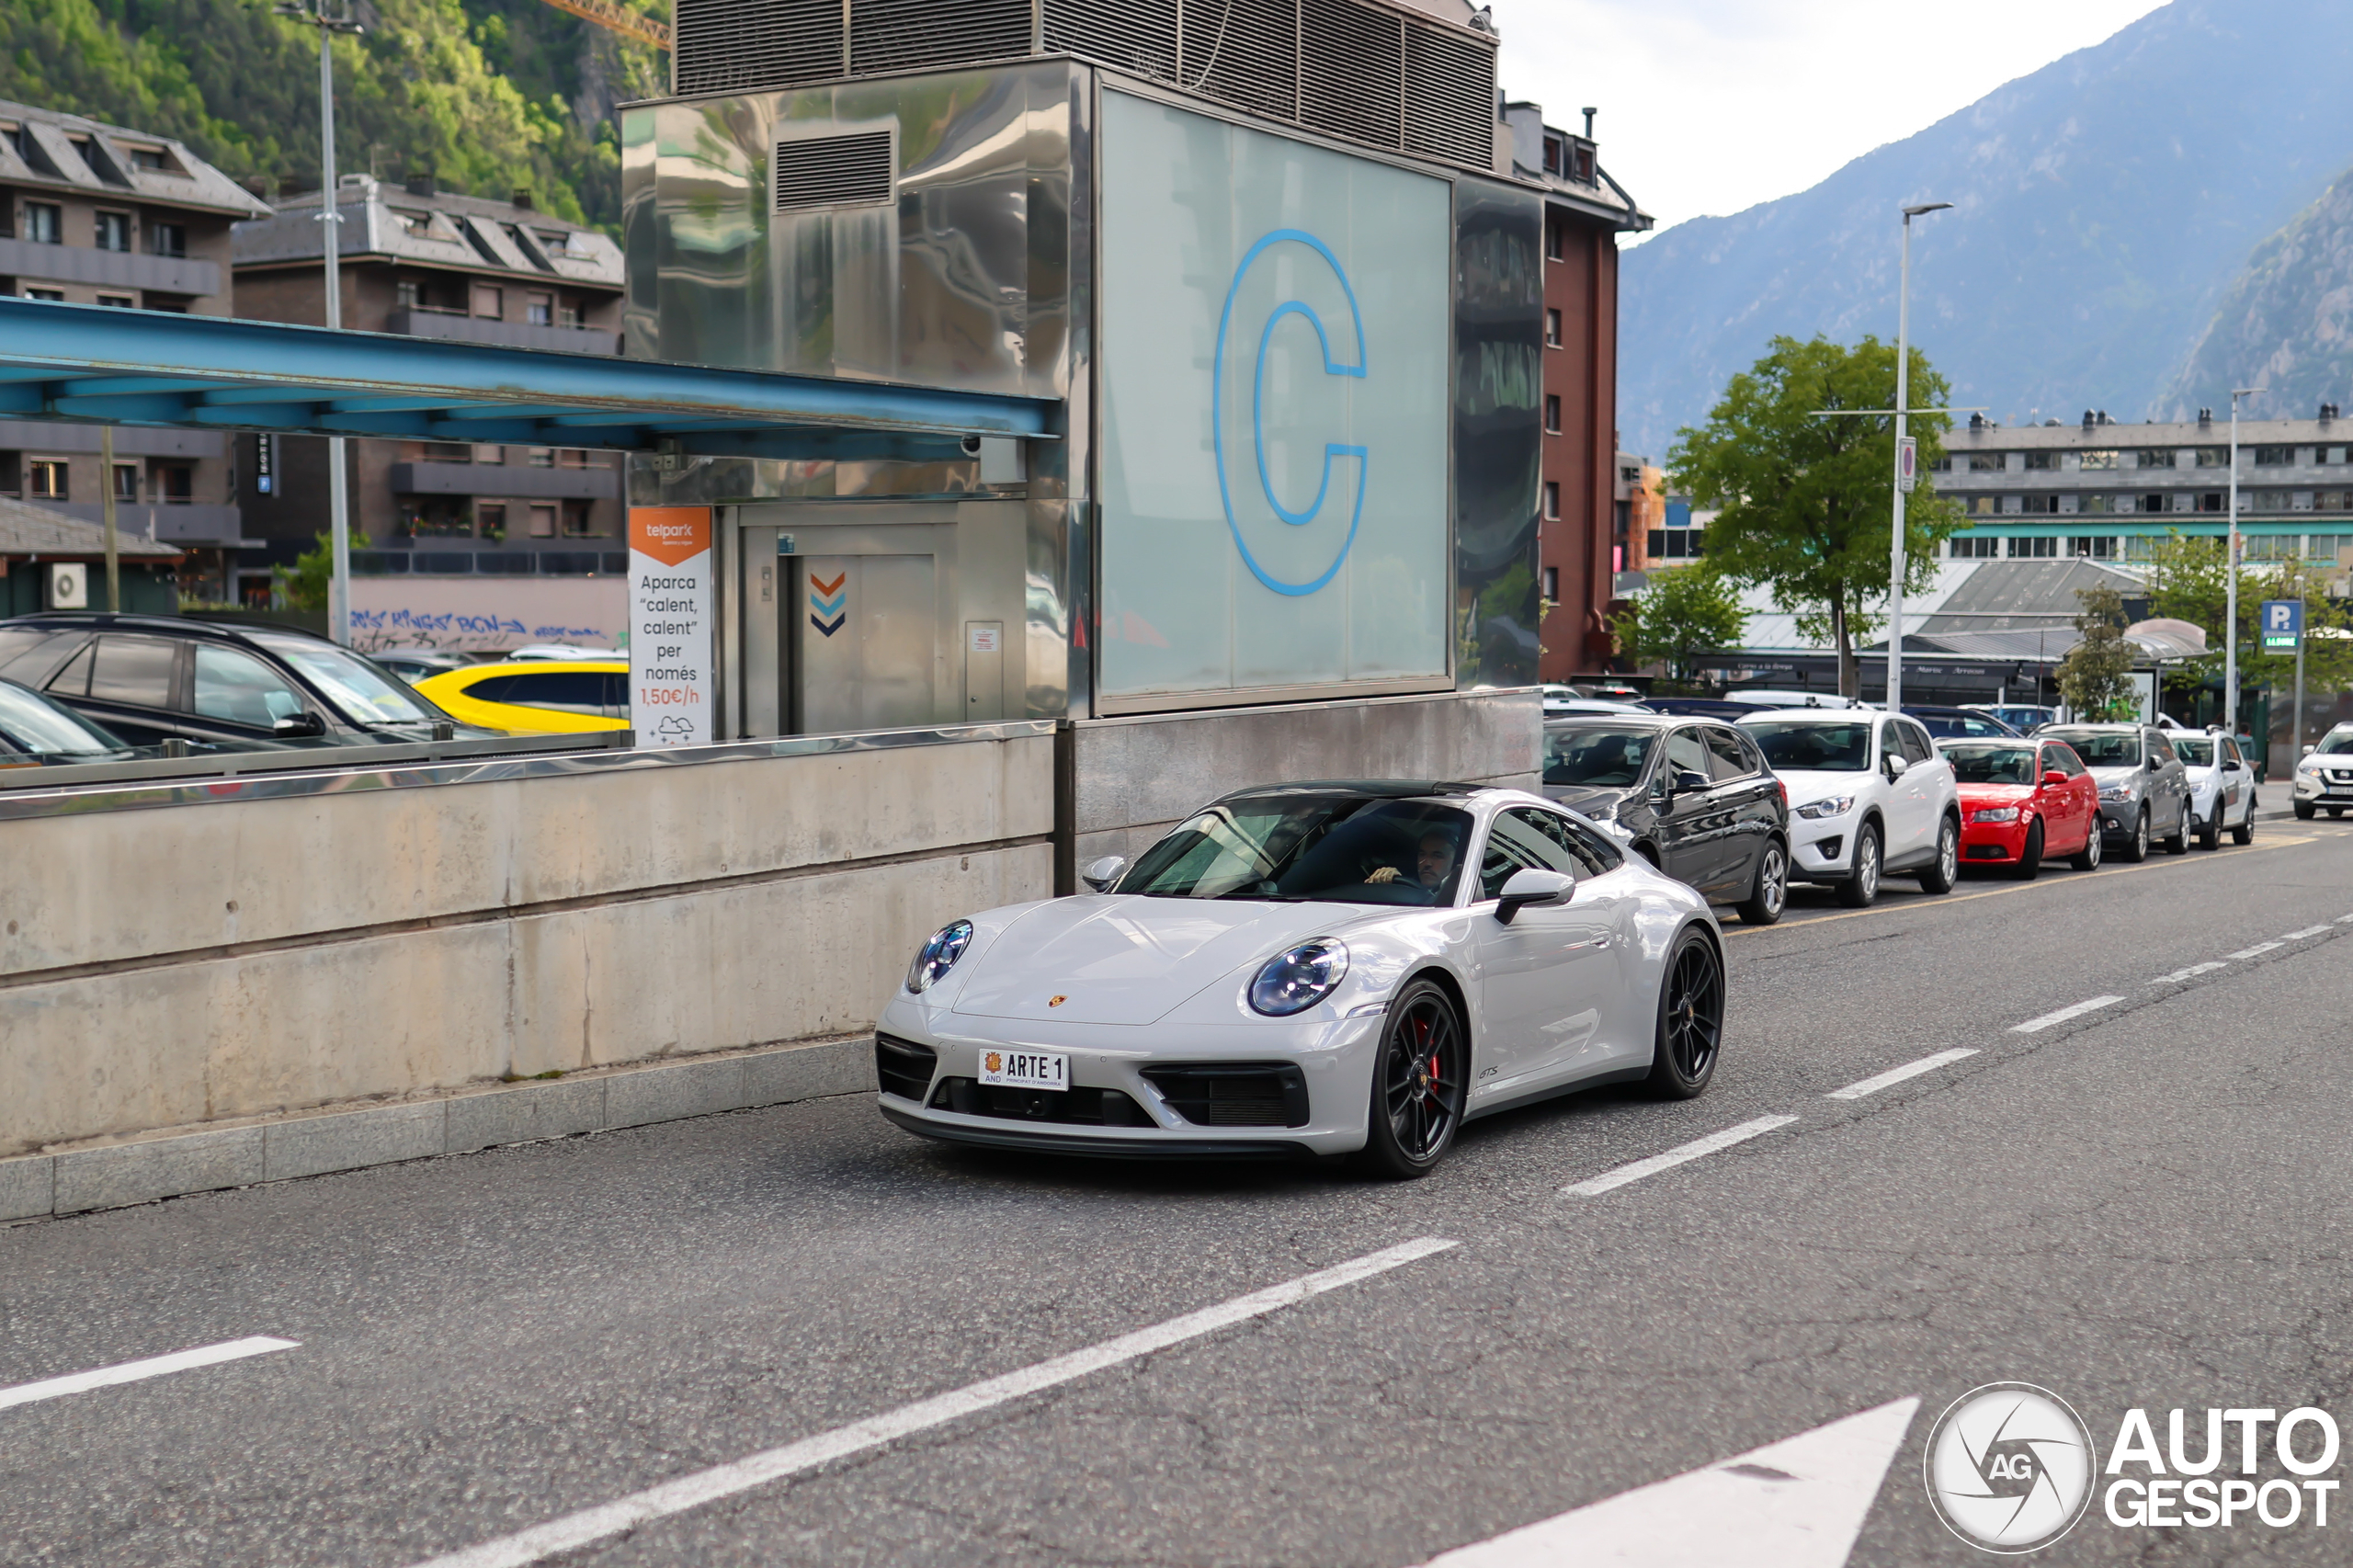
pixel 1799 1503
pixel 153 1366
pixel 2345 920
pixel 574 1530
pixel 2307 931
pixel 2036 1025
pixel 2258 948
pixel 2190 973
pixel 1674 1157
pixel 1895 1075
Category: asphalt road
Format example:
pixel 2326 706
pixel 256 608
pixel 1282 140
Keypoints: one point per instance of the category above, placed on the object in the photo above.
pixel 2142 1206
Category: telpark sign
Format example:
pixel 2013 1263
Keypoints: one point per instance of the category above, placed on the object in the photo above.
pixel 669 625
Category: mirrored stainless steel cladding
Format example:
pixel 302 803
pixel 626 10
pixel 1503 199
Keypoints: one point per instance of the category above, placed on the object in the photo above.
pixel 1498 437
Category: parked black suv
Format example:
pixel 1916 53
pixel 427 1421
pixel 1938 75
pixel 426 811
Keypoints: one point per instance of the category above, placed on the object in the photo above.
pixel 150 678
pixel 1693 797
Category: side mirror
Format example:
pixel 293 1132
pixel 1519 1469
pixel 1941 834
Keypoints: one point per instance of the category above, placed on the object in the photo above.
pixel 2054 781
pixel 1100 874
pixel 2154 765
pixel 1533 888
pixel 1897 763
pixel 1687 783
pixel 2311 748
pixel 295 726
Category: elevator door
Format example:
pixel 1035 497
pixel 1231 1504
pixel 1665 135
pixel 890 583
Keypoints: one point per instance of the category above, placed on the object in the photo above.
pixel 867 642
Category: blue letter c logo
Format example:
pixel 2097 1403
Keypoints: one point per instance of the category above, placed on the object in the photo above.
pixel 1258 412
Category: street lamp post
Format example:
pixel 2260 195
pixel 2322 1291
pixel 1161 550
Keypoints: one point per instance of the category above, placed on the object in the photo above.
pixel 316 14
pixel 2231 580
pixel 1897 554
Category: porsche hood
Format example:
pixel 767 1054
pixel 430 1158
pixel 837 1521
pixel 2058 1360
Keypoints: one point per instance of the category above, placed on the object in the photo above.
pixel 1125 958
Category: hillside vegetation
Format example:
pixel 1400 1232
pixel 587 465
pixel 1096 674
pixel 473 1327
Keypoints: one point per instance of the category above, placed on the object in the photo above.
pixel 486 95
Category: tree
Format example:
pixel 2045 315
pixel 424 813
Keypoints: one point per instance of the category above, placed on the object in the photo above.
pixel 1803 502
pixel 2187 582
pixel 1685 612
pixel 2094 677
pixel 305 583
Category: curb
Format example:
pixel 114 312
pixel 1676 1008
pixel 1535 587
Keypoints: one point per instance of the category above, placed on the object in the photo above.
pixel 114 1175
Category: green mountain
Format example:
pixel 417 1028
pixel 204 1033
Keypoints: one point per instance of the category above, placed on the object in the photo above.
pixel 2286 325
pixel 486 95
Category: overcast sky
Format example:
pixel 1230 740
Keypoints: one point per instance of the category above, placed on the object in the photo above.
pixel 1713 106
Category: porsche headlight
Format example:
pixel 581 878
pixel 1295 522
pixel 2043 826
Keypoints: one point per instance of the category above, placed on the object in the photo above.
pixel 939 956
pixel 1995 814
pixel 1835 806
pixel 1295 982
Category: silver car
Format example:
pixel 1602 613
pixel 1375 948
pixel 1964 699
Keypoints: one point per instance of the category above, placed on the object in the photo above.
pixel 2143 788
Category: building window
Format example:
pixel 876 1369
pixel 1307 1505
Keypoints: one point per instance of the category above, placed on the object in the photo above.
pixel 1552 500
pixel 1552 329
pixel 1989 462
pixel 1552 413
pixel 2213 457
pixel 167 239
pixel 2038 505
pixel 55 296
pixel 539 309
pixel 1940 463
pixel 2152 460
pixel 2099 546
pixel 2033 548
pixel 495 456
pixel 44 224
pixel 1556 239
pixel 2210 501
pixel 1552 159
pixel 1674 544
pixel 490 301
pixel 2274 456
pixel 542 521
pixel 45 480
pixel 2331 456
pixel 1968 547
pixel 448 452
pixel 436 517
pixel 567 315
pixel 2099 460
pixel 2101 504
pixel 118 301
pixel 2041 462
pixel 1981 505
pixel 579 520
pixel 540 457
pixel 126 482
pixel 174 483
pixel 490 520
pixel 1552 585
pixel 149 158
pixel 114 231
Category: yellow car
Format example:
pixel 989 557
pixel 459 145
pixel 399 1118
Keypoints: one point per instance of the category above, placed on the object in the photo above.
pixel 543 697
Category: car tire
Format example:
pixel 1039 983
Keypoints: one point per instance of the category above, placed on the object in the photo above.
pixel 2210 832
pixel 2245 832
pixel 2178 841
pixel 2136 849
pixel 2087 858
pixel 2335 811
pixel 2305 810
pixel 1769 893
pixel 1857 891
pixel 1690 1019
pixel 1945 869
pixel 2029 864
pixel 1416 1110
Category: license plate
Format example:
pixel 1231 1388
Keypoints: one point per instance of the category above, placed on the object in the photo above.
pixel 1026 1069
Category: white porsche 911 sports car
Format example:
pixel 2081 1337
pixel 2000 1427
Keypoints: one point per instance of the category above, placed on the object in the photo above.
pixel 1312 968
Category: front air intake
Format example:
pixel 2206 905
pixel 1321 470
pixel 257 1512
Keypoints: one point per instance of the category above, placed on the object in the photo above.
pixel 857 170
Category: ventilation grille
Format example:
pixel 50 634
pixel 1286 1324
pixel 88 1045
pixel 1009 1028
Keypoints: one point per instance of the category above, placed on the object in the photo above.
pixel 903 1066
pixel 1245 51
pixel 727 46
pixel 834 170
pixel 1450 98
pixel 1135 35
pixel 916 35
pixel 1351 77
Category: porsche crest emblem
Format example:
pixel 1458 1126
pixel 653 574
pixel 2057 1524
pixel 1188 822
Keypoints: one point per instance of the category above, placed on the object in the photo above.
pixel 1056 1000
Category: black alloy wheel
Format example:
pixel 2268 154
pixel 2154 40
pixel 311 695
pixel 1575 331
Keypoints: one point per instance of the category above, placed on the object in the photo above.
pixel 1945 869
pixel 1857 891
pixel 2136 849
pixel 1690 1020
pixel 2029 864
pixel 1420 1082
pixel 1769 894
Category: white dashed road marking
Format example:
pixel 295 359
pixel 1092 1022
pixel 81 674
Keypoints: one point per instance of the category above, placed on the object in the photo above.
pixel 1712 1143
pixel 2036 1025
pixel 1895 1075
pixel 2260 948
pixel 2190 973
pixel 2307 931
pixel 153 1366
pixel 574 1530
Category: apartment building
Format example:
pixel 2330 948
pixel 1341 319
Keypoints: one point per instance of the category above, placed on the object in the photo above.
pixel 1585 211
pixel 424 262
pixel 2103 490
pixel 100 215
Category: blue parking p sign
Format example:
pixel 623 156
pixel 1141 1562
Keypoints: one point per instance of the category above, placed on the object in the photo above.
pixel 2282 625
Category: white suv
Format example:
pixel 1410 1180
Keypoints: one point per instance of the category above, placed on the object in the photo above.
pixel 1869 795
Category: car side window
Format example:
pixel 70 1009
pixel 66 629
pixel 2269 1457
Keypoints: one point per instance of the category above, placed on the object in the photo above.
pixel 1889 743
pixel 74 680
pixel 232 685
pixel 565 691
pixel 1686 754
pixel 2159 747
pixel 1915 741
pixel 1725 759
pixel 134 670
pixel 1518 840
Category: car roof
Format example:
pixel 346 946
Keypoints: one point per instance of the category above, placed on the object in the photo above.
pixel 1818 715
pixel 164 625
pixel 1638 719
pixel 1379 788
pixel 540 667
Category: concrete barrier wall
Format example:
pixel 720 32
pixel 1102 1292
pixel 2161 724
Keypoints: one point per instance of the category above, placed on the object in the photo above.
pixel 445 928
pixel 1136 779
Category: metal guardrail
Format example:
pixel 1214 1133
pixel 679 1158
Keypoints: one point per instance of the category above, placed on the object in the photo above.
pixel 299 759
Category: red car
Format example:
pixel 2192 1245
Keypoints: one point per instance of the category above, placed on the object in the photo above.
pixel 2023 801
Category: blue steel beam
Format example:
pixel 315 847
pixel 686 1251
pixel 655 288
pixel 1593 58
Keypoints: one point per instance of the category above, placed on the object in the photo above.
pixel 44 342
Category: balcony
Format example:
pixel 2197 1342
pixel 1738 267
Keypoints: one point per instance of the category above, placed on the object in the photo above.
pixel 417 321
pixel 515 482
pixel 175 523
pixel 29 260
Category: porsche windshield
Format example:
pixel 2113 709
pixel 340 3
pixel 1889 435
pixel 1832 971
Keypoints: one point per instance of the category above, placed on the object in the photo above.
pixel 2103 748
pixel 1309 847
pixel 1985 762
pixel 1813 745
pixel 1596 756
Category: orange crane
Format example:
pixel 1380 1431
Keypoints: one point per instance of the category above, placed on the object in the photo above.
pixel 620 18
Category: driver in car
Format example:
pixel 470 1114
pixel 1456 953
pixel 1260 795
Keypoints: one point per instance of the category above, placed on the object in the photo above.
pixel 1432 865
